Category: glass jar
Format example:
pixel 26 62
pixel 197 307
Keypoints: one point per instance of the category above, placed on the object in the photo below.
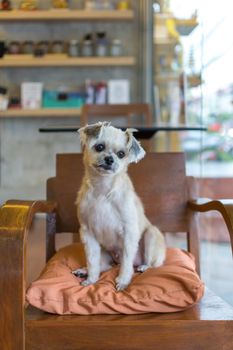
pixel 29 5
pixel 2 48
pixel 57 47
pixel 123 5
pixel 101 50
pixel 5 5
pixel 103 5
pixel 14 48
pixel 28 47
pixel 4 98
pixel 73 48
pixel 44 46
pixel 116 48
pixel 87 48
pixel 60 4
pixel 101 44
pixel 89 5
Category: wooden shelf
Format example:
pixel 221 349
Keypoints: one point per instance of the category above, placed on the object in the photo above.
pixel 62 60
pixel 65 15
pixel 194 80
pixel 43 112
pixel 164 42
pixel 186 26
pixel 166 77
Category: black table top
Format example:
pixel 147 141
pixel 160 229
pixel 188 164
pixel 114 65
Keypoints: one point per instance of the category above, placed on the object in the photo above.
pixel 143 132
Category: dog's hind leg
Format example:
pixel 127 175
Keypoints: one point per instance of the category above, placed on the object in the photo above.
pixel 154 248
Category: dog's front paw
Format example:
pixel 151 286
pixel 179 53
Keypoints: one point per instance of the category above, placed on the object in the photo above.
pixel 87 282
pixel 121 283
pixel 81 272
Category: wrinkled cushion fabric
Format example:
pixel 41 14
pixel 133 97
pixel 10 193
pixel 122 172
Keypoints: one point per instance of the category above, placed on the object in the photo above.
pixel 175 286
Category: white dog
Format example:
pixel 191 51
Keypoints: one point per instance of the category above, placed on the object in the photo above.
pixel 113 224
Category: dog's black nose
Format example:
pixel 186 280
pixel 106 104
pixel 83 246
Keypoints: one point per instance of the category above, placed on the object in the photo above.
pixel 109 160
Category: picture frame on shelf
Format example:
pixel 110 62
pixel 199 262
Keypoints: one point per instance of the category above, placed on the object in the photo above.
pixel 118 91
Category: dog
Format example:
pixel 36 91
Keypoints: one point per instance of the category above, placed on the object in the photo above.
pixel 113 226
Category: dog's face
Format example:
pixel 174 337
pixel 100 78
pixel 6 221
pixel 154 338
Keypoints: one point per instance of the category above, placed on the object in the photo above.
pixel 109 150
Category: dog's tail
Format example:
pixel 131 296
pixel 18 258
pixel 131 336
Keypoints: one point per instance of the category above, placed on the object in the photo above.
pixel 154 247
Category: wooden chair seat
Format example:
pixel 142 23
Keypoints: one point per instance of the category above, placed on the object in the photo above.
pixel 169 199
pixel 211 317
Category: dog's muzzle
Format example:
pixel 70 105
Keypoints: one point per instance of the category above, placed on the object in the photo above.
pixel 109 160
pixel 107 164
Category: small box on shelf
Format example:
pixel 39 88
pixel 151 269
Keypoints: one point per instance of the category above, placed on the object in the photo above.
pixel 31 95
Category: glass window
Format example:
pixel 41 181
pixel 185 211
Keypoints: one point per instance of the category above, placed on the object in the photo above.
pixel 194 86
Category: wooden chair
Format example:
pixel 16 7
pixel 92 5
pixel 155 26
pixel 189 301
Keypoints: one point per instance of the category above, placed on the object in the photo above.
pixel 129 112
pixel 130 115
pixel 169 202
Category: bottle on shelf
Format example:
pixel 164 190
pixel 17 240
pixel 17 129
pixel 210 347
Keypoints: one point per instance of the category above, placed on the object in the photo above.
pixel 101 93
pixel 156 7
pixel 5 5
pixel 87 46
pixel 57 47
pixel 43 45
pixel 28 5
pixel 123 5
pixel 90 92
pixel 60 4
pixel 103 5
pixel 14 47
pixel 27 47
pixel 4 98
pixel 73 48
pixel 89 5
pixel 116 48
pixel 101 44
pixel 2 47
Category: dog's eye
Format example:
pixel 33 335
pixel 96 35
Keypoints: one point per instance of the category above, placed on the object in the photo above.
pixel 100 147
pixel 121 154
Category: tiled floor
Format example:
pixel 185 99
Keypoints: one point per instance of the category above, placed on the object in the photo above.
pixel 216 266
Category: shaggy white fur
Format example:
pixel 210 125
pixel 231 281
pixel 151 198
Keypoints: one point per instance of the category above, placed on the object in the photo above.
pixel 111 215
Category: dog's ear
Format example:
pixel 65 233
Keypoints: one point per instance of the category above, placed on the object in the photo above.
pixel 91 131
pixel 136 152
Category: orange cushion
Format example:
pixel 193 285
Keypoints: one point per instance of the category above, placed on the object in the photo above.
pixel 175 286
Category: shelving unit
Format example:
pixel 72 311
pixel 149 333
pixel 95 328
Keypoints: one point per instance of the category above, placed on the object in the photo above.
pixel 55 71
pixel 194 80
pixel 40 113
pixel 186 26
pixel 62 60
pixel 66 15
pixel 170 42
pixel 171 83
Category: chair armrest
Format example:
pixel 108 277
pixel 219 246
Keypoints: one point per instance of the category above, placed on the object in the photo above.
pixel 15 220
pixel 223 206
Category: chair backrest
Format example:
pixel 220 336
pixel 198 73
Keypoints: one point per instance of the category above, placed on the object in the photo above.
pixel 159 179
pixel 130 112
